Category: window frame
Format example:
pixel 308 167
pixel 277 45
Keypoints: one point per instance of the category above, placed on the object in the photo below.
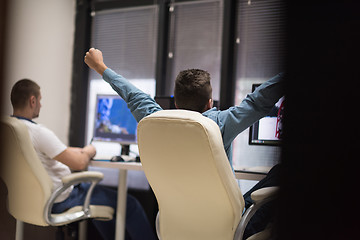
pixel 80 72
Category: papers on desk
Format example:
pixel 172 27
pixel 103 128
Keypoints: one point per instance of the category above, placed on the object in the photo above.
pixel 105 150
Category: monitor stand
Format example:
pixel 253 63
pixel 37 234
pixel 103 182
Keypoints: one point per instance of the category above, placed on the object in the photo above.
pixel 124 155
pixel 125 149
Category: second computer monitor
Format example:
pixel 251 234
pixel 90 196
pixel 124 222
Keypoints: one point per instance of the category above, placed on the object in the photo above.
pixel 168 102
pixel 268 130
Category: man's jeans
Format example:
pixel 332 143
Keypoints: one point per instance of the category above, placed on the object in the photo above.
pixel 137 224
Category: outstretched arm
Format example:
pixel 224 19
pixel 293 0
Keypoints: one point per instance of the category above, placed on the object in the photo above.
pixel 139 103
pixel 255 106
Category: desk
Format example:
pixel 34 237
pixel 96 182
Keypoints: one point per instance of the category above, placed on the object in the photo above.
pixel 253 173
pixel 122 191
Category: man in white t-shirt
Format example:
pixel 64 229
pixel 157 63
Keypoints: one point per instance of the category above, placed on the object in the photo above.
pixel 59 160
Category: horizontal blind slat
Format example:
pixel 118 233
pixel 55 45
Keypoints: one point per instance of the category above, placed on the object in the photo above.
pixel 128 41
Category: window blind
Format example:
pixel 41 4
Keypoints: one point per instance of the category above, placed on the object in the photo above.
pixel 127 37
pixel 195 40
pixel 260 55
pixel 261 38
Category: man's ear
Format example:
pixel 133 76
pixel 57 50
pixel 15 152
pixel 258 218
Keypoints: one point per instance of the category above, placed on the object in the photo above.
pixel 210 104
pixel 32 101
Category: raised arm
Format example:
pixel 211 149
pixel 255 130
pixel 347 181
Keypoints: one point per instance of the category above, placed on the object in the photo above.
pixel 139 103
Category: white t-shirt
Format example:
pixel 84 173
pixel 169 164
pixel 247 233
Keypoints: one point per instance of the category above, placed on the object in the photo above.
pixel 47 145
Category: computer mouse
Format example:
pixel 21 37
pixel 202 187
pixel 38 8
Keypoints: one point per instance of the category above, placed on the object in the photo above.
pixel 117 158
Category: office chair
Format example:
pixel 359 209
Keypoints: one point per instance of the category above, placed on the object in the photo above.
pixel 184 160
pixel 30 189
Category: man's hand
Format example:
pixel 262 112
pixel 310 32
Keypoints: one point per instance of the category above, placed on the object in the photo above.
pixel 89 150
pixel 94 59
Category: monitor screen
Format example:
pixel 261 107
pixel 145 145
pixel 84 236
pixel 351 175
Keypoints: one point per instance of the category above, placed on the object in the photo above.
pixel 168 102
pixel 165 102
pixel 268 130
pixel 113 120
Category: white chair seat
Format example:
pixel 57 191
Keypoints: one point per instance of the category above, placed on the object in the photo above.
pixel 103 213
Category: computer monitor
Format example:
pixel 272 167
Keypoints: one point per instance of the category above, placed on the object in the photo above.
pixel 114 121
pixel 165 102
pixel 168 102
pixel 268 130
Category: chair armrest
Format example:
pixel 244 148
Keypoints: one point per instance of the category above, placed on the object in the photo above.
pixel 264 194
pixel 69 180
pixel 157 226
pixel 259 197
pixel 82 177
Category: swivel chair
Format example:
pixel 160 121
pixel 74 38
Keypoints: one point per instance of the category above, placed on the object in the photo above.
pixel 31 194
pixel 184 160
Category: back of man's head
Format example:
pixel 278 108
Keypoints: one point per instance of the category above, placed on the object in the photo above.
pixel 22 91
pixel 192 90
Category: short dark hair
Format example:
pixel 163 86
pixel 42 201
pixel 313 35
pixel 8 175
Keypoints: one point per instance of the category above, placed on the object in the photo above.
pixel 192 90
pixel 22 91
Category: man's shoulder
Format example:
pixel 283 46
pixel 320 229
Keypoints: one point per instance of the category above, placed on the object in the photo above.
pixel 37 129
pixel 29 124
pixel 33 125
pixel 214 114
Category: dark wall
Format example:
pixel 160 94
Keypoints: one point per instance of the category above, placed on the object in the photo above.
pixel 7 223
pixel 320 154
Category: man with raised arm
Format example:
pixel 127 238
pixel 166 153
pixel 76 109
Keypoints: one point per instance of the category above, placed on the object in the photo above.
pixel 193 91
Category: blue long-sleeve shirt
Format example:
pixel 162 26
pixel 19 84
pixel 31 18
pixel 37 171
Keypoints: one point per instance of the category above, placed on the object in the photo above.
pixel 231 121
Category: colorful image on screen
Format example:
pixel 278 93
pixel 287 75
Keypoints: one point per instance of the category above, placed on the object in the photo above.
pixel 113 120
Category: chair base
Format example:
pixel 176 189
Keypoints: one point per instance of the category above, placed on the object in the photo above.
pixel 19 234
pixel 82 231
